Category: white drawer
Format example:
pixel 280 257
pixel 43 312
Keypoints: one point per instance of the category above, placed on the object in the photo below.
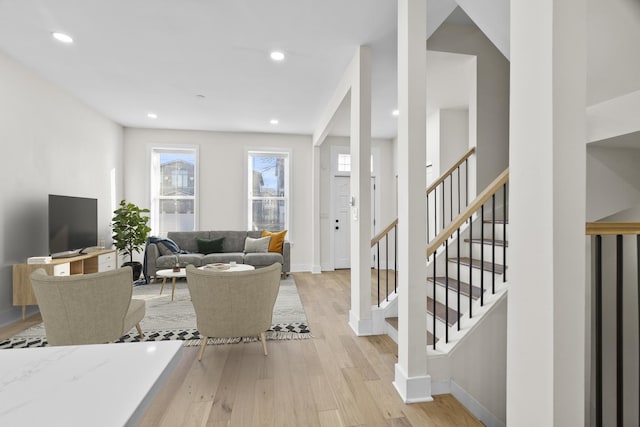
pixel 107 262
pixel 62 269
pixel 107 258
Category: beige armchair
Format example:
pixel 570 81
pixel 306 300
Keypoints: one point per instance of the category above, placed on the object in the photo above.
pixel 87 308
pixel 233 304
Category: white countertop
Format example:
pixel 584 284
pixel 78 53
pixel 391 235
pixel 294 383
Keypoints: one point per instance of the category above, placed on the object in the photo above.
pixel 90 385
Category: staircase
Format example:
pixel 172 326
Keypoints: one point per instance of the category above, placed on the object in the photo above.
pixel 465 281
pixel 466 262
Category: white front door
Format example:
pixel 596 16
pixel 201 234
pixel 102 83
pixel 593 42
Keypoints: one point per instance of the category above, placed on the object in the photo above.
pixel 341 223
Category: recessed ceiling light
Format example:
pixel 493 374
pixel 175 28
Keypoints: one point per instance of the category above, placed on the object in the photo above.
pixel 152 115
pixel 274 121
pixel 61 37
pixel 277 56
pixel 395 113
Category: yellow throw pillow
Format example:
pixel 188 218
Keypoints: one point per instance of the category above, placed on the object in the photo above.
pixel 277 239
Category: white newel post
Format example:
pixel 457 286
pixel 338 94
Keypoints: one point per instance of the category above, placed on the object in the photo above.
pixel 360 313
pixel 411 379
pixel 546 311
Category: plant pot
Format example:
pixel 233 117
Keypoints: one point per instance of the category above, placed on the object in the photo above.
pixel 136 267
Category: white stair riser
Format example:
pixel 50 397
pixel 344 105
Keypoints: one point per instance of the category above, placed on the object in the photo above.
pixel 477 274
pixel 453 299
pixel 476 248
pixel 440 328
pixel 488 232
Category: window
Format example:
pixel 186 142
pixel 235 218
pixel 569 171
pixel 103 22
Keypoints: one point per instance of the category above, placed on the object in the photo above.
pixel 344 162
pixel 173 190
pixel 268 191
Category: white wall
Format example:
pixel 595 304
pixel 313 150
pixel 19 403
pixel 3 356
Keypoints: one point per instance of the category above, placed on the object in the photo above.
pixel 222 178
pixel 492 153
pixel 613 180
pixel 52 144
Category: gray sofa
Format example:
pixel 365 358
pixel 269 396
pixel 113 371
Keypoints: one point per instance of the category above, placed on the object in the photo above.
pixel 233 250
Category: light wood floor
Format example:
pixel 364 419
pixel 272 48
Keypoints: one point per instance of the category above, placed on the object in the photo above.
pixel 334 379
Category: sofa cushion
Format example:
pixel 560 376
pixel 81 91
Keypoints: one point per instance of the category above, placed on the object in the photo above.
pixel 256 245
pixel 262 259
pixel 225 257
pixel 233 240
pixel 210 246
pixel 169 261
pixel 187 239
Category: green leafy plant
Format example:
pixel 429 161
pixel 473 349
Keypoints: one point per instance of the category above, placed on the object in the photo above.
pixel 130 228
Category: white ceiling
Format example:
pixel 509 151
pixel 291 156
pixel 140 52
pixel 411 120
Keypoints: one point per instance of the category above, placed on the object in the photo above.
pixel 205 65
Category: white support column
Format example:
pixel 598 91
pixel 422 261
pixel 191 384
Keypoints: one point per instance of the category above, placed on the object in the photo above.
pixel 411 379
pixel 360 313
pixel 546 314
pixel 315 209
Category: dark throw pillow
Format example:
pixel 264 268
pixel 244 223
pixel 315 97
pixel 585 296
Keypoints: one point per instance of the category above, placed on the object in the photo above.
pixel 207 246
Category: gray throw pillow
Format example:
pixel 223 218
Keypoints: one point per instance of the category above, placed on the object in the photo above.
pixel 256 245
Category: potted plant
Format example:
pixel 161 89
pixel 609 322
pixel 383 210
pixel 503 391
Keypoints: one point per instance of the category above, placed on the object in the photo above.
pixel 130 231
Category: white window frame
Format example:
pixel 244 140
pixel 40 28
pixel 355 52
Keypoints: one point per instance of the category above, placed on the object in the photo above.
pixel 287 186
pixel 154 195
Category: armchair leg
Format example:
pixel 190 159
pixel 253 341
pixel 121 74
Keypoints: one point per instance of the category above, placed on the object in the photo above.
pixel 202 347
pixel 139 330
pixel 263 338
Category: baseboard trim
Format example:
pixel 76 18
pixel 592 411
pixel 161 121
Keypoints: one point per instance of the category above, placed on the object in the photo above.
pixel 361 327
pixel 412 389
pixel 475 407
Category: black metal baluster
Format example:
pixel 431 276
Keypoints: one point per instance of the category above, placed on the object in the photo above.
pixel 428 236
pixel 446 295
pixel 619 346
pixel 434 299
pixel 450 197
pixel 504 234
pixel 395 259
pixel 470 267
pixel 481 256
pixel 598 320
pixel 378 269
pixel 458 273
pixel 466 186
pixel 493 244
pixel 386 263
pixel 443 202
pixel 435 212
pixel 458 170
pixel 638 267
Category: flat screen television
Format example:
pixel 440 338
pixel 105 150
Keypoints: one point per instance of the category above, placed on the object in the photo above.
pixel 73 223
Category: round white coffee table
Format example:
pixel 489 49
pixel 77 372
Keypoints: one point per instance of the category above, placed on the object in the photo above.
pixel 173 275
pixel 231 268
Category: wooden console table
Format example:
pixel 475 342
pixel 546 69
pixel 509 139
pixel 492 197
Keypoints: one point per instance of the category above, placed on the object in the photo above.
pixel 93 262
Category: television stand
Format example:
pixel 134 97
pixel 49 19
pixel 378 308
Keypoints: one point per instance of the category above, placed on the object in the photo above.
pixel 93 262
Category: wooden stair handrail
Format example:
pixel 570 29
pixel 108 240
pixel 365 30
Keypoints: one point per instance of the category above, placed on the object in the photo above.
pixel 468 212
pixel 611 228
pixel 384 232
pixel 449 171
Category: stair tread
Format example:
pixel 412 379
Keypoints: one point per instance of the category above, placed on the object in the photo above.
pixel 476 264
pixel 487 241
pixel 440 311
pixel 393 321
pixel 453 285
pixel 497 221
